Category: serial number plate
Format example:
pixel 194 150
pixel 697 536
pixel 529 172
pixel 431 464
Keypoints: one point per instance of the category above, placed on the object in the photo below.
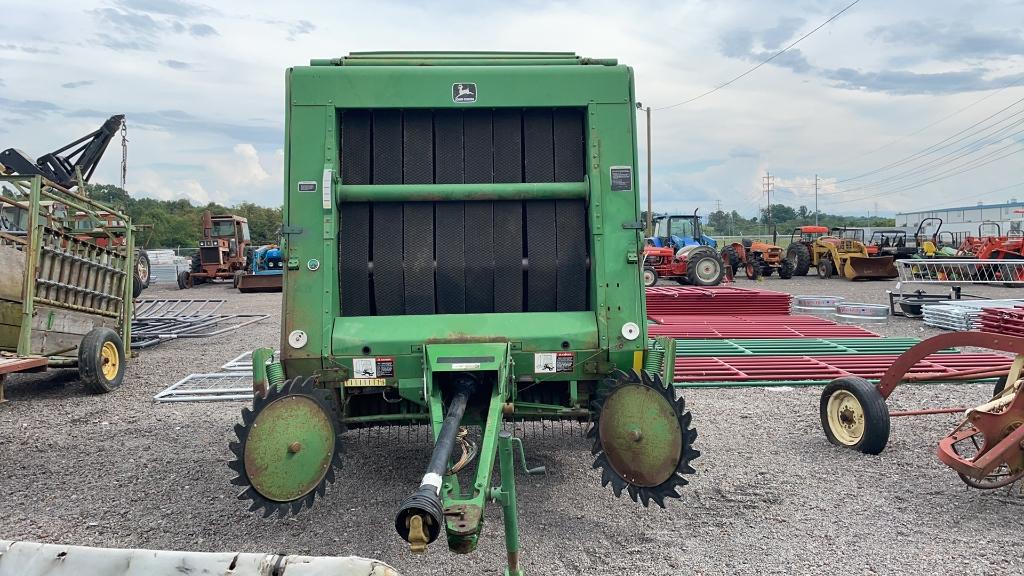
pixel 359 382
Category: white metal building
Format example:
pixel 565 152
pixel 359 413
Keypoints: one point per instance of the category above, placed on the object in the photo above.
pixel 967 218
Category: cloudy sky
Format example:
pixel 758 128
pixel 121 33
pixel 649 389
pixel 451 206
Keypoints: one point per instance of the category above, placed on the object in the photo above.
pixel 894 105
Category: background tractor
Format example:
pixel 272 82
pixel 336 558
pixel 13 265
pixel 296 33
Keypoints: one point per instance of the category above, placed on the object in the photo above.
pixel 757 259
pixel 263 270
pixel 680 251
pixel 801 247
pixel 849 259
pixel 512 294
pixel 221 251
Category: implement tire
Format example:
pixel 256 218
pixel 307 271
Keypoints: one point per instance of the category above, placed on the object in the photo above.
pixel 854 415
pixel 101 360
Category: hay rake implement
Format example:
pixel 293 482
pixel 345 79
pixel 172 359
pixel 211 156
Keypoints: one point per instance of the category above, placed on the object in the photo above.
pixel 986 449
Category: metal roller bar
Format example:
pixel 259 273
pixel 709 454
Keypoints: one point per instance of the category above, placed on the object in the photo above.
pixel 446 192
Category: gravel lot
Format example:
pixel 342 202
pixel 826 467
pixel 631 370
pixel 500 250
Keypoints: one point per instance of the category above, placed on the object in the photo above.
pixel 771 495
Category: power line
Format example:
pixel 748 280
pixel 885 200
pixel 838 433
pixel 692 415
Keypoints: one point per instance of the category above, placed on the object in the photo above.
pixel 945 159
pixel 936 179
pixel 939 121
pixel 763 62
pixel 932 148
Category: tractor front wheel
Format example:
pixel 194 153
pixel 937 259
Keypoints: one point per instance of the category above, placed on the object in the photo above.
pixel 854 415
pixel 650 277
pixel 825 269
pixel 752 270
pixel 786 269
pixel 101 360
pixel 183 280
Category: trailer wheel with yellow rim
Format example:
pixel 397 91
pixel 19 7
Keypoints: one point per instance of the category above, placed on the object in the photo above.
pixel 101 360
pixel 854 415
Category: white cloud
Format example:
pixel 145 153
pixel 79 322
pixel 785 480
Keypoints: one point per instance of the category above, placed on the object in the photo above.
pixel 213 129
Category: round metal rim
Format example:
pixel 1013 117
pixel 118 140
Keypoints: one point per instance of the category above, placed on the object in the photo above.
pixel 708 269
pixel 838 403
pixel 111 360
pixel 303 488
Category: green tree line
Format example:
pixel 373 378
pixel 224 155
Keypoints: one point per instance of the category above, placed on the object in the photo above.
pixel 179 224
pixel 784 219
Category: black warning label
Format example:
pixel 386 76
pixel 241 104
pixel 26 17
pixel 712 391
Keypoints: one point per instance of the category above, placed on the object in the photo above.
pixel 385 367
pixel 622 178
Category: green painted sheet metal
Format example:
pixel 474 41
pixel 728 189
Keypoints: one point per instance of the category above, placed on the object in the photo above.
pixel 795 347
pixel 464 58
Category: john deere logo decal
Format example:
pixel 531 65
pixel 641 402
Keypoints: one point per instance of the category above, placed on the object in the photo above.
pixel 464 93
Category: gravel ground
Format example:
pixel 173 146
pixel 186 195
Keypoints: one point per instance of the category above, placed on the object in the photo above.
pixel 771 495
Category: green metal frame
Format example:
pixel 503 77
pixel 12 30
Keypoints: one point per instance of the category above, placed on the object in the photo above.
pixel 33 191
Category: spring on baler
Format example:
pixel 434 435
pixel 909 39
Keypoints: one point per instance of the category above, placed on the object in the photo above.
pixel 275 374
pixel 655 362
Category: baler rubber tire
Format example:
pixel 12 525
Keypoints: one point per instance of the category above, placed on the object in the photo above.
pixel 91 350
pixel 875 434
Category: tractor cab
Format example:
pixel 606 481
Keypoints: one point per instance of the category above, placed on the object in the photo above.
pixel 807 234
pixel 679 230
pixel 844 233
pixel 224 237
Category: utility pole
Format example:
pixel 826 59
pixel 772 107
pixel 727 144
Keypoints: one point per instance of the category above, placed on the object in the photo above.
pixel 815 199
pixel 769 182
pixel 650 214
pixel 718 205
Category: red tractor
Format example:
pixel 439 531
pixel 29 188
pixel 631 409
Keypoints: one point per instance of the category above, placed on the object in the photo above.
pixel 221 251
pixel 680 252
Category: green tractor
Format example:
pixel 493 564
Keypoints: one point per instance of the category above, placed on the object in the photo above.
pixel 462 250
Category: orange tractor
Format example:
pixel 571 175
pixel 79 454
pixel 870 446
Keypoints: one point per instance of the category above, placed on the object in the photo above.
pixel 222 250
pixel 757 259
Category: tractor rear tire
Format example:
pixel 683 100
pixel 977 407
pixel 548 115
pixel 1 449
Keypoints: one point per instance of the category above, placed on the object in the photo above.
pixel 854 415
pixel 706 269
pixel 650 277
pixel 801 258
pixel 730 257
pixel 786 269
pixel 183 280
pixel 101 360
